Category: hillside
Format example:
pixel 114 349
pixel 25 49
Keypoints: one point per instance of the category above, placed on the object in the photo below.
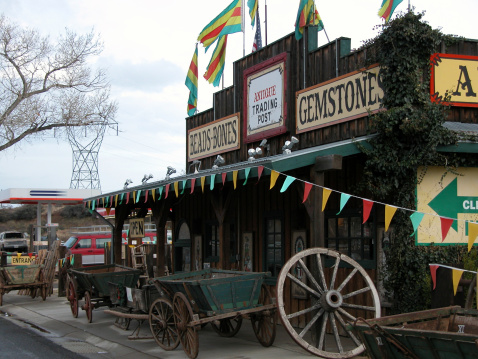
pixel 22 218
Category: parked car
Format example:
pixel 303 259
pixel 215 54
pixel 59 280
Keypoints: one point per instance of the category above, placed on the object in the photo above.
pixel 13 242
pixel 91 246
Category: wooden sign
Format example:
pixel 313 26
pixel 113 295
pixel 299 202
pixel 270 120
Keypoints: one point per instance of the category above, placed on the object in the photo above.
pixel 136 228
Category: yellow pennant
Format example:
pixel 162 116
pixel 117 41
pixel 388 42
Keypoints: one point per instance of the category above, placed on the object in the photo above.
pixel 456 278
pixel 234 178
pixel 325 197
pixel 176 189
pixel 116 201
pixel 389 213
pixel 19 255
pixel 203 180
pixel 274 176
pixel 472 233
pixel 108 210
pixel 134 196
pixel 153 192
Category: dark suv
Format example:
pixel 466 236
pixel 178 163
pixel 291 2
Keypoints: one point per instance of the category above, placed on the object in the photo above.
pixel 13 242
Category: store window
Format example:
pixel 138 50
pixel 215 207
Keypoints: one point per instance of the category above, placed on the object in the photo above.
pixel 346 234
pixel 274 242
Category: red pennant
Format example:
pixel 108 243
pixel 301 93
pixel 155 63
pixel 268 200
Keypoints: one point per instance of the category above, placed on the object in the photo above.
pixel 193 181
pixel 30 254
pixel 127 198
pixel 224 178
pixel 307 188
pixel 146 196
pixel 111 201
pixel 433 271
pixel 259 172
pixel 167 191
pixel 367 207
pixel 445 226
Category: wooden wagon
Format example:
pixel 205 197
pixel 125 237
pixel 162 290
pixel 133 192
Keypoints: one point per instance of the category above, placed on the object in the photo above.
pixel 450 332
pixel 29 277
pixel 219 297
pixel 93 284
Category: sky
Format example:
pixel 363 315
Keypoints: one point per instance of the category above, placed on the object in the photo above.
pixel 148 46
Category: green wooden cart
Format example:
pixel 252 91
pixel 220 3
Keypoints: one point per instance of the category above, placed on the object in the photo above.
pixel 450 332
pixel 219 297
pixel 29 277
pixel 93 284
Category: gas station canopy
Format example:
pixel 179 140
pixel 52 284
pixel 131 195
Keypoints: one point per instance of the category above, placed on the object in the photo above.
pixel 47 196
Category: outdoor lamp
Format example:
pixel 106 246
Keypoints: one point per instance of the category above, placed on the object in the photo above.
pixel 127 183
pixel 196 164
pixel 218 161
pixel 253 153
pixel 286 149
pixel 170 171
pixel 265 145
pixel 146 178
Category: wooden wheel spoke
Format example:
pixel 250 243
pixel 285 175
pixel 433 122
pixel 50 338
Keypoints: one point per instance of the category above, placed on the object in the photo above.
pixel 334 274
pixel 321 271
pixel 322 332
pixel 310 276
pixel 356 306
pixel 303 285
pixel 363 290
pixel 349 332
pixel 347 314
pixel 336 333
pixel 304 311
pixel 349 277
pixel 311 323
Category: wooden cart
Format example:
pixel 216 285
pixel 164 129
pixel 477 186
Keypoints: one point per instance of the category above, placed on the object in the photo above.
pixel 330 299
pixel 450 332
pixel 23 277
pixel 219 297
pixel 92 284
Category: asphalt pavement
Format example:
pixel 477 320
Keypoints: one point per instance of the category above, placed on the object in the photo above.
pixel 52 319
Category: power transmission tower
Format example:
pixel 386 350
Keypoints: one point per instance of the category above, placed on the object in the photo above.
pixel 85 154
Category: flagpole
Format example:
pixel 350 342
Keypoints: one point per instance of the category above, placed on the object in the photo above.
pixel 243 29
pixel 266 19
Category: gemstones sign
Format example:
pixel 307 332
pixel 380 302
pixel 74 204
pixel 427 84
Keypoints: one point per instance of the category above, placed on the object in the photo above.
pixel 449 195
pixel 454 79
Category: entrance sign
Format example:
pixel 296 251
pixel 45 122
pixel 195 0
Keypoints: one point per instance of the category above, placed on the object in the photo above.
pixel 342 99
pixel 454 79
pixel 264 99
pixel 449 195
pixel 214 138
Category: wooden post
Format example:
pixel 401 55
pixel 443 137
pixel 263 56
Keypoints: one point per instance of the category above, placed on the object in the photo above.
pixel 160 218
pixel 220 208
pixel 121 214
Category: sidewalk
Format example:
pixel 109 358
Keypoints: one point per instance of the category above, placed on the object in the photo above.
pixel 102 339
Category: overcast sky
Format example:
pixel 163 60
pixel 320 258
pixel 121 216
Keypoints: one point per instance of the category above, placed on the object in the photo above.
pixel 148 48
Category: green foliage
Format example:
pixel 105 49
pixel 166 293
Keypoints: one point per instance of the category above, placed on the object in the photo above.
pixel 409 132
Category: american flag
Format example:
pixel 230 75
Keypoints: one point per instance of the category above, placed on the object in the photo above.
pixel 257 45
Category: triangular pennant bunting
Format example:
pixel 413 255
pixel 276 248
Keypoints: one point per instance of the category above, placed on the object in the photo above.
pixel 166 191
pixel 433 271
pixel 246 174
pixel 325 197
pixel 260 169
pixel 307 188
pixel 176 188
pixel 184 186
pixel 389 213
pixel 193 183
pixel 213 179
pixel 472 233
pixel 274 176
pixel 234 178
pixel 456 273
pixel 224 175
pixel 287 183
pixel 416 219
pixel 445 226
pixel 367 208
pixel 344 198
pixel 203 181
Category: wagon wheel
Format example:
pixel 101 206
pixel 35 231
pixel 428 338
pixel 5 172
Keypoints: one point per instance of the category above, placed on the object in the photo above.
pixel 161 323
pixel 471 295
pixel 264 322
pixel 43 287
pixel 228 327
pixel 188 335
pixel 33 292
pixel 72 296
pixel 88 307
pixel 330 304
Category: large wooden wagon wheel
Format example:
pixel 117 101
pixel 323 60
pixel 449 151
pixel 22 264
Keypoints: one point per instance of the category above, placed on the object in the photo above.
pixel 330 303
pixel 161 323
pixel 228 327
pixel 264 322
pixel 471 294
pixel 72 296
pixel 88 307
pixel 183 315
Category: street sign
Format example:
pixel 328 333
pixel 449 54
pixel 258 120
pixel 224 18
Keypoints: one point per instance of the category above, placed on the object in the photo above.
pixel 446 194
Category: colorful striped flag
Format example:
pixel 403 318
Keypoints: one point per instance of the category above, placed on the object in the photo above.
pixel 387 9
pixel 227 22
pixel 307 15
pixel 257 45
pixel 216 65
pixel 252 5
pixel 192 84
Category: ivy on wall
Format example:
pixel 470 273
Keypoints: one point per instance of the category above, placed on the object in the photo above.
pixel 409 132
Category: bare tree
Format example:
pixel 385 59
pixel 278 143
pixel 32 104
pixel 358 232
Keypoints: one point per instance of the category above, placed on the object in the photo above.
pixel 45 86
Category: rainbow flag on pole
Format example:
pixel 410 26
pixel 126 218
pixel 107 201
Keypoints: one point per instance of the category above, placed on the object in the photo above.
pixel 307 15
pixel 227 22
pixel 216 65
pixel 192 84
pixel 387 9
